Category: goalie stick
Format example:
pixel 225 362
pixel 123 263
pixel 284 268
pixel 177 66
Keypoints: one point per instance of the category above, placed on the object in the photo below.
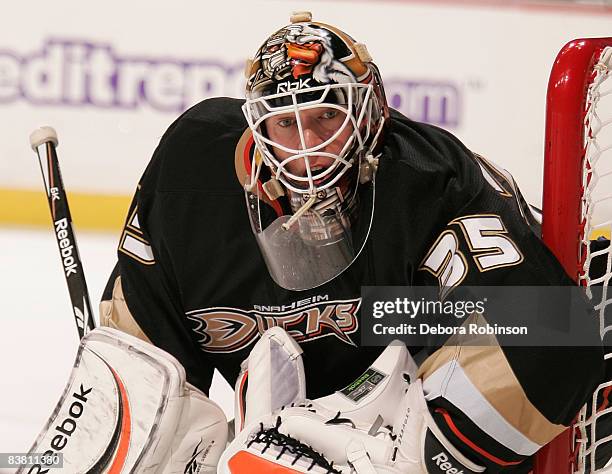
pixel 127 406
pixel 44 142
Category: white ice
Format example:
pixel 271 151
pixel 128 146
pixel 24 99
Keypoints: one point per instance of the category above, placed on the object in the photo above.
pixel 38 337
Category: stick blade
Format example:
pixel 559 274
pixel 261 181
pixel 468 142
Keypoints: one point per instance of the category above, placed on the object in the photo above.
pixel 43 135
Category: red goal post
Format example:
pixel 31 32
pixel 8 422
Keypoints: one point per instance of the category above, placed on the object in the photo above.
pixel 577 208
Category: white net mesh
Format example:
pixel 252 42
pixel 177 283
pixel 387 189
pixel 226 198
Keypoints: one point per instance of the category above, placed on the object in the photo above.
pixel 593 427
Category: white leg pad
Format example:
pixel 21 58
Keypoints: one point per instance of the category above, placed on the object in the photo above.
pixel 127 406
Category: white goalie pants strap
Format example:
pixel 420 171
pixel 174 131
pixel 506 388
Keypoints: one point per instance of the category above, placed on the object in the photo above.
pixel 127 408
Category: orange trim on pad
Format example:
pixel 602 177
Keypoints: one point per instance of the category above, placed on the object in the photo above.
pixel 126 429
pixel 244 462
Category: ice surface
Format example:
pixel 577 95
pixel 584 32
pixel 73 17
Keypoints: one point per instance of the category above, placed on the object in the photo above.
pixel 38 337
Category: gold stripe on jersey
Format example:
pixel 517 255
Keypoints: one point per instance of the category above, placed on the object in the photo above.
pixel 114 313
pixel 503 392
pixel 452 383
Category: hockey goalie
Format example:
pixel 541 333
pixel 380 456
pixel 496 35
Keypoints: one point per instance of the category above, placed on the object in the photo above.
pixel 251 233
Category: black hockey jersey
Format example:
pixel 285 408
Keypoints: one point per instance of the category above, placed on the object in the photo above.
pixel 194 279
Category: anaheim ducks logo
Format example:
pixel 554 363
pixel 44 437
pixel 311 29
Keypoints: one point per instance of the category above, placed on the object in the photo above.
pixel 223 329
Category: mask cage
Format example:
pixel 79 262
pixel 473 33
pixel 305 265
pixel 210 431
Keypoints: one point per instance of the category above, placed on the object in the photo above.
pixel 361 112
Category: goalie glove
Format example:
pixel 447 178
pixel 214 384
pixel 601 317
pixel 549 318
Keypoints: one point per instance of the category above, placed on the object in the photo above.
pixel 379 424
pixel 127 408
pixel 311 439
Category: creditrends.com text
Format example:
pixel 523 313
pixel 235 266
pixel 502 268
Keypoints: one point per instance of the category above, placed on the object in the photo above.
pixel 414 308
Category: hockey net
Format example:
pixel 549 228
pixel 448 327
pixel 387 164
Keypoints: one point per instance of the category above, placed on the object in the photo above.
pixel 577 220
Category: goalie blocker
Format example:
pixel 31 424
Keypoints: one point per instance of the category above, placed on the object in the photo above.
pixel 127 408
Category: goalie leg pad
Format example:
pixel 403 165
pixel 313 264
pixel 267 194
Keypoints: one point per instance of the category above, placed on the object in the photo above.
pixel 200 438
pixel 126 408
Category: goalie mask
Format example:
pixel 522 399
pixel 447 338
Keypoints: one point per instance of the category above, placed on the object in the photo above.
pixel 316 108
